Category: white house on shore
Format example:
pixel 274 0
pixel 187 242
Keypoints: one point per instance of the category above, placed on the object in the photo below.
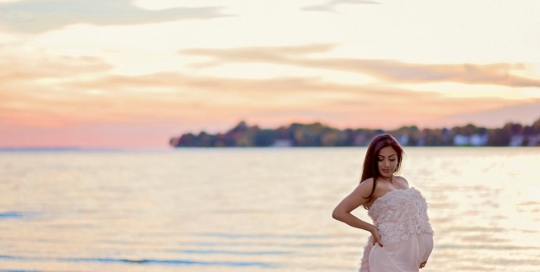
pixel 403 139
pixel 534 140
pixel 516 140
pixel 474 140
pixel 283 143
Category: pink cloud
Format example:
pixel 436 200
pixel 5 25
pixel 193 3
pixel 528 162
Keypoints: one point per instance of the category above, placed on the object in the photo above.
pixel 391 71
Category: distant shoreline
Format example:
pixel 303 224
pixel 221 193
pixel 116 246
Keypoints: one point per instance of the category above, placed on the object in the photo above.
pixel 321 135
pixel 53 149
pixel 195 148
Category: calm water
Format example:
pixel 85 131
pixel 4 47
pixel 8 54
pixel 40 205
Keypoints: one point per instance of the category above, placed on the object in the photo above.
pixel 255 210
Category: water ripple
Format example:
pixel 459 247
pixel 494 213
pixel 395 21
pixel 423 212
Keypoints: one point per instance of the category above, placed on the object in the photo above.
pixel 181 262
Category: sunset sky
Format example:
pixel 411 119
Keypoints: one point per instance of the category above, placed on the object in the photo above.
pixel 132 74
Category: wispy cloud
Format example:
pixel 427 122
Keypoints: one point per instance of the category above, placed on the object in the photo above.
pixel 330 6
pixel 525 114
pixel 39 16
pixel 215 98
pixel 25 70
pixel 30 91
pixel 100 97
pixel 42 91
pixel 389 70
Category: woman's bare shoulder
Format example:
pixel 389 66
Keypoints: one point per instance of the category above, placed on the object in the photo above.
pixel 403 180
pixel 367 189
pixel 367 182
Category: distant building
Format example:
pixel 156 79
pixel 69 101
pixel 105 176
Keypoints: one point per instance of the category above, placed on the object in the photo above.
pixel 533 140
pixel 360 139
pixel 516 140
pixel 403 139
pixel 283 143
pixel 478 140
pixel 474 140
pixel 461 140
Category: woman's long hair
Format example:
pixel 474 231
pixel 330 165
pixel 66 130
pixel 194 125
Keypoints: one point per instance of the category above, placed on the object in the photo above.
pixel 371 166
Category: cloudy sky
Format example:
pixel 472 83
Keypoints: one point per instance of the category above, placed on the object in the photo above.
pixel 131 74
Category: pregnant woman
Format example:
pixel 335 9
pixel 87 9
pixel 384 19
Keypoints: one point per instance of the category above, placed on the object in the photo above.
pixel 401 236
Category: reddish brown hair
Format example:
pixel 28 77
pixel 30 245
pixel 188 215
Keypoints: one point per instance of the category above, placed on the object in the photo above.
pixel 370 168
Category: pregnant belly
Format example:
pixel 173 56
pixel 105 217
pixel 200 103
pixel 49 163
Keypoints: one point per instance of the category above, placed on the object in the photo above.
pixel 404 256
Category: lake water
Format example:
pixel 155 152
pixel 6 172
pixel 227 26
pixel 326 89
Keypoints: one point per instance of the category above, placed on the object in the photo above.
pixel 236 210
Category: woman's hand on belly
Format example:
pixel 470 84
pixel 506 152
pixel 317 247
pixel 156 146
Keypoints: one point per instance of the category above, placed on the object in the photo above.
pixel 376 237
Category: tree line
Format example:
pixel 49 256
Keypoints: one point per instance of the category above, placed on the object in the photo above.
pixel 317 134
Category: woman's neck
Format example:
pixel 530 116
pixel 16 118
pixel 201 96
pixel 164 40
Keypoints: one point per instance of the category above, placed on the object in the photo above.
pixel 389 179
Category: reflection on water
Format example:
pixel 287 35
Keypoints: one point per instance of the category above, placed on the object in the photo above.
pixel 255 209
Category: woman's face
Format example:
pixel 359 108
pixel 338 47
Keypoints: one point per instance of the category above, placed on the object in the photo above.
pixel 387 161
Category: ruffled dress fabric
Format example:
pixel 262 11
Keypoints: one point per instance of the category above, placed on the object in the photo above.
pixel 406 234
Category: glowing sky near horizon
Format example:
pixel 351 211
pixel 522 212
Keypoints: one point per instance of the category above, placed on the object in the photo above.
pixel 132 74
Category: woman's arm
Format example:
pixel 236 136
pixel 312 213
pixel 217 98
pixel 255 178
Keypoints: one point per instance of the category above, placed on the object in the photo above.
pixel 343 210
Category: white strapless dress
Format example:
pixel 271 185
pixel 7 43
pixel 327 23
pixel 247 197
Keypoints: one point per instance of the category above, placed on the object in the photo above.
pixel 406 234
